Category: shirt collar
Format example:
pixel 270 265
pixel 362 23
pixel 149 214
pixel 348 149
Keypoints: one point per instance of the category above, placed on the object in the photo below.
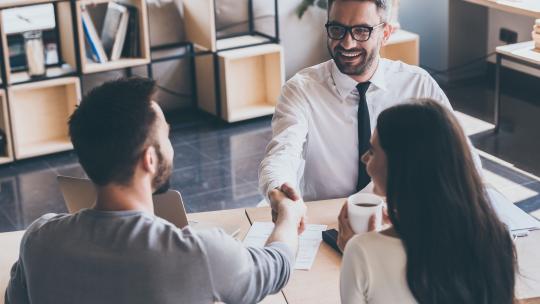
pixel 345 84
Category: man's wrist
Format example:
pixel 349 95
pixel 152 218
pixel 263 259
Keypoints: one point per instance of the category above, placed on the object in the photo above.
pixel 286 218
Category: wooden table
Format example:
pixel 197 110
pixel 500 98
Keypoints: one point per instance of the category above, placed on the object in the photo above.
pixel 235 217
pixel 321 283
pixel 529 8
pixel 523 53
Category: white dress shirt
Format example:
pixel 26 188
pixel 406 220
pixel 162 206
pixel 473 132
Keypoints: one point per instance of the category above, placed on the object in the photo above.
pixel 373 271
pixel 314 144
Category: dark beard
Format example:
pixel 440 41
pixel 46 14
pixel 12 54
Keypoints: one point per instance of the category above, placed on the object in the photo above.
pixel 161 182
pixel 163 188
pixel 358 69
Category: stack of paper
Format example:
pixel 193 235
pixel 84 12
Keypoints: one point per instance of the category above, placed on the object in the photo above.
pixel 515 219
pixel 536 34
pixel 309 243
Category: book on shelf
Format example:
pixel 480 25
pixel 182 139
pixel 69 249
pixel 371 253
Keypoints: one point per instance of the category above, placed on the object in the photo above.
pixel 94 42
pixel 115 26
pixel 131 46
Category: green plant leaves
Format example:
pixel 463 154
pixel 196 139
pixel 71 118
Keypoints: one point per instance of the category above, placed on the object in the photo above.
pixel 305 4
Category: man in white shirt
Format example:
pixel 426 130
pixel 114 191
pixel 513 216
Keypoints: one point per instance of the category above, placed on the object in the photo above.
pixel 323 119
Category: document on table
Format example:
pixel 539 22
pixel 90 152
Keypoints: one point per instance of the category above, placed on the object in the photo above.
pixel 510 214
pixel 308 245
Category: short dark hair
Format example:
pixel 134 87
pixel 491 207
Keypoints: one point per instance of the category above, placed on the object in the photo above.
pixel 112 126
pixel 381 4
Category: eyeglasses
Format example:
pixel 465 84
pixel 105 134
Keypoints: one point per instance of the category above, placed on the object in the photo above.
pixel 360 33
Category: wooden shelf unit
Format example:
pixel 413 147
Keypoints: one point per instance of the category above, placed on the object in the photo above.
pixel 404 46
pixel 200 23
pixel 12 3
pixel 5 125
pixel 200 27
pixel 65 30
pixel 88 67
pixel 39 115
pixel 250 81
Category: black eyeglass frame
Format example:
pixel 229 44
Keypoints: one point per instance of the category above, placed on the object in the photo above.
pixel 348 29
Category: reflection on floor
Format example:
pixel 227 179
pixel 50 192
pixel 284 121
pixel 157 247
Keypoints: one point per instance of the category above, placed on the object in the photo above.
pixel 216 164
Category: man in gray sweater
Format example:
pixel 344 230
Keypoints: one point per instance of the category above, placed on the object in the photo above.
pixel 119 251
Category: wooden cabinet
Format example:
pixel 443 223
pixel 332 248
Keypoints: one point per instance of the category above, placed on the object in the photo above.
pixel 5 125
pixel 404 46
pixel 39 115
pixel 88 66
pixel 34 112
pixel 250 81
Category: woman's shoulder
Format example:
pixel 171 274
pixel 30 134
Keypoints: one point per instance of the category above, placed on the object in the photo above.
pixel 373 242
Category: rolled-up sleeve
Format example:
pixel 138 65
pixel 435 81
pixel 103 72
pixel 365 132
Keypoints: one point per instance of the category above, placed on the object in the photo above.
pixel 284 157
pixel 354 274
pixel 244 274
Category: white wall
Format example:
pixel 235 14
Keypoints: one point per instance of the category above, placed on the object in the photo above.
pixel 303 40
pixel 429 19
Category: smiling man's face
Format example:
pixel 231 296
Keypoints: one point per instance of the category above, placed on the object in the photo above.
pixel 355 57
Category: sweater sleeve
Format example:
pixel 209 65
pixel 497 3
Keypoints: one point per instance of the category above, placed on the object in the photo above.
pixel 354 276
pixel 17 291
pixel 244 274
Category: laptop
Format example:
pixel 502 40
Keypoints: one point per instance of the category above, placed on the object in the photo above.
pixel 80 193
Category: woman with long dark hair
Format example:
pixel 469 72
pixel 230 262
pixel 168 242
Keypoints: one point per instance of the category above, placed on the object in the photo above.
pixel 446 244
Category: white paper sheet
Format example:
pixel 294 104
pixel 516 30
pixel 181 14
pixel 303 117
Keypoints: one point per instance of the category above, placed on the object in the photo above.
pixel 510 214
pixel 309 242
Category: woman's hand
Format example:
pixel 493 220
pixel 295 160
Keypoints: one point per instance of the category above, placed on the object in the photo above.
pixel 345 232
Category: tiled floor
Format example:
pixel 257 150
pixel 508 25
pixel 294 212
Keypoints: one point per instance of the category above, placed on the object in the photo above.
pixel 216 164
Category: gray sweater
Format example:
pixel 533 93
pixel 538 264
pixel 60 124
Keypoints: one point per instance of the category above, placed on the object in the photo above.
pixel 133 257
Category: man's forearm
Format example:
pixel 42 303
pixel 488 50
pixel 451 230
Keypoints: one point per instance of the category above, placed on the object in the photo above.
pixel 285 231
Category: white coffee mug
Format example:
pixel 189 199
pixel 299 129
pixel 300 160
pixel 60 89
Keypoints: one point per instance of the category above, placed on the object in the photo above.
pixel 361 206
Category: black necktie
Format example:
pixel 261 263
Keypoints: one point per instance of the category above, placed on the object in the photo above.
pixel 364 134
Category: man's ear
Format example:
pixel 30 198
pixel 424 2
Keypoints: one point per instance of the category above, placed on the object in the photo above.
pixel 387 31
pixel 149 160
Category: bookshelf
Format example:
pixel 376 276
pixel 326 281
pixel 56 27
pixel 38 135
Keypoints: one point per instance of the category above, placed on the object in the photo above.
pixel 6 127
pixel 200 26
pixel 238 76
pixel 89 67
pixel 65 43
pixel 39 114
pixel 249 81
pixel 34 111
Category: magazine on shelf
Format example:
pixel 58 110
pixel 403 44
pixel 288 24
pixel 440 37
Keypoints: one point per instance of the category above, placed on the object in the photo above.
pixel 115 26
pixel 92 38
pixel 131 45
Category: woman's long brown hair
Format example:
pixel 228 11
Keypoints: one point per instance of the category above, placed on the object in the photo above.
pixel 458 251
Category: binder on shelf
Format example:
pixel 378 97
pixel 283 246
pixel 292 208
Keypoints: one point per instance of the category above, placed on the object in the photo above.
pixel 113 34
pixel 131 47
pixel 92 37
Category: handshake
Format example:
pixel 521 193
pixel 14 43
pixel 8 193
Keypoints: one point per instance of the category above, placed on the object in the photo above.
pixel 287 206
pixel 368 213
